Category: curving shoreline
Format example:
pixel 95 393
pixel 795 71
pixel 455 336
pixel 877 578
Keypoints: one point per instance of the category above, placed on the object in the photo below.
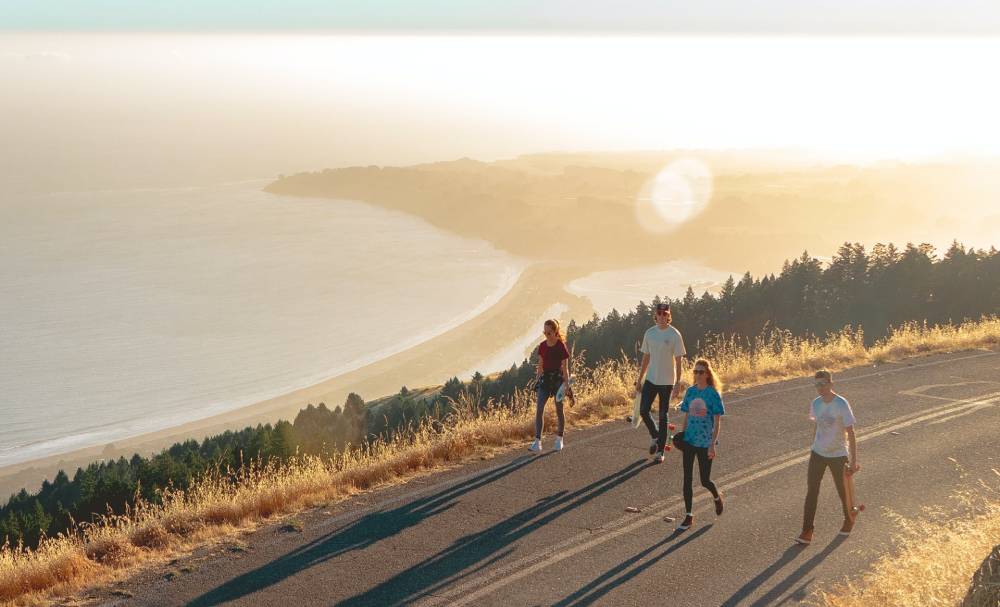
pixel 429 363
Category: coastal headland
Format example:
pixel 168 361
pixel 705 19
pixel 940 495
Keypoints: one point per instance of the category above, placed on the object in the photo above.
pixel 574 214
pixel 429 363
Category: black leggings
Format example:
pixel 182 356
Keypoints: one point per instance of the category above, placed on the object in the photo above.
pixel 704 469
pixel 817 467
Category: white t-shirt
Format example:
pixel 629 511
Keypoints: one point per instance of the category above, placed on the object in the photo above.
pixel 662 347
pixel 831 419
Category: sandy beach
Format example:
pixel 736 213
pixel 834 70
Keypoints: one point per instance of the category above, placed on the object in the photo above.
pixel 429 363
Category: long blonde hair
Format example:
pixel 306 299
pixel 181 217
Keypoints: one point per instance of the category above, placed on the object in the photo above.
pixel 554 325
pixel 710 377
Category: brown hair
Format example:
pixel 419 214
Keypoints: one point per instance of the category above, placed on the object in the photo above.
pixel 824 374
pixel 712 379
pixel 554 325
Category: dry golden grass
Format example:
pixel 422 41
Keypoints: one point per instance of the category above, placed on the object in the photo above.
pixel 780 355
pixel 936 559
pixel 219 505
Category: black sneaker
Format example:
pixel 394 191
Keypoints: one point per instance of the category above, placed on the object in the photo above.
pixel 718 505
pixel 688 521
pixel 652 446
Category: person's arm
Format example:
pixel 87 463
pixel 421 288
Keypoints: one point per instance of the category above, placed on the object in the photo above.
pixel 565 369
pixel 539 367
pixel 642 371
pixel 675 393
pixel 715 435
pixel 852 446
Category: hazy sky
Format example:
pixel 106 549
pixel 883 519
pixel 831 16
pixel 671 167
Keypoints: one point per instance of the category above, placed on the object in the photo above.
pixel 89 109
pixel 117 92
pixel 927 17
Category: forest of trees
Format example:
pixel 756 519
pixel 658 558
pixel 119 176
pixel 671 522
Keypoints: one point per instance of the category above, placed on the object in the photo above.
pixel 875 289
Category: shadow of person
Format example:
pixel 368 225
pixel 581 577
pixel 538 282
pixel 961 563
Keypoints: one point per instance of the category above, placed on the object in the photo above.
pixel 357 535
pixel 621 573
pixel 474 552
pixel 781 587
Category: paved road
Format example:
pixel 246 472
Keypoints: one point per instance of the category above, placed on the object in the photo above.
pixel 552 529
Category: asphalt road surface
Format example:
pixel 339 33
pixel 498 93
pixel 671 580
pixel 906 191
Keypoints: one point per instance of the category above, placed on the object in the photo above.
pixel 552 529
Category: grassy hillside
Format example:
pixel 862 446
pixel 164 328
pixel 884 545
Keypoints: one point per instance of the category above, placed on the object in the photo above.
pixel 218 504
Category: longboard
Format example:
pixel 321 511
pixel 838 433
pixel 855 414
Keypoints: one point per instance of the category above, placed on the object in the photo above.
pixel 561 392
pixel 636 420
pixel 849 492
pixel 566 385
pixel 636 409
pixel 670 437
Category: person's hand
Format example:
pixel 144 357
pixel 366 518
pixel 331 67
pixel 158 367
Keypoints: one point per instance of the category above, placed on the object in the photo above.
pixel 711 452
pixel 638 385
pixel 676 392
pixel 853 467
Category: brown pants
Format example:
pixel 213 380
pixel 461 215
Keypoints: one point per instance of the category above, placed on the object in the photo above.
pixel 817 467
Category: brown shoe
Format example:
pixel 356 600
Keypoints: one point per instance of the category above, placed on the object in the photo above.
pixel 805 538
pixel 848 526
pixel 718 505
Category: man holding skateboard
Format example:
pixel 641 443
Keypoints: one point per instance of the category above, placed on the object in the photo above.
pixel 662 349
pixel 834 447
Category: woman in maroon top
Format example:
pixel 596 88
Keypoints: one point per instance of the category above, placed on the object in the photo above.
pixel 553 370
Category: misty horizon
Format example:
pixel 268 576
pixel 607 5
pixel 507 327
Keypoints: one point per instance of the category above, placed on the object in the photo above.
pixel 148 110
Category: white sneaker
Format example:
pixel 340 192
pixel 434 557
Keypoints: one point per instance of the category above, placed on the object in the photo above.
pixel 535 446
pixel 559 444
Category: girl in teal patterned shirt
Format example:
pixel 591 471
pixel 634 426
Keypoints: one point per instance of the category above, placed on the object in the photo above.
pixel 702 422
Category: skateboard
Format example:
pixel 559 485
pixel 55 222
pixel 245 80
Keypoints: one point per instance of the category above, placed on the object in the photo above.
pixel 670 437
pixel 561 392
pixel 636 405
pixel 677 440
pixel 849 492
pixel 567 385
pixel 635 419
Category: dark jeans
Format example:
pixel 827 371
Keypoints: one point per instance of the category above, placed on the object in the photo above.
pixel 817 467
pixel 543 396
pixel 649 392
pixel 704 470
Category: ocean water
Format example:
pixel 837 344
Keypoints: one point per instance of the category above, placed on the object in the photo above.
pixel 124 312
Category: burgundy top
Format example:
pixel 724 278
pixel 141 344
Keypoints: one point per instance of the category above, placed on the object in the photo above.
pixel 552 356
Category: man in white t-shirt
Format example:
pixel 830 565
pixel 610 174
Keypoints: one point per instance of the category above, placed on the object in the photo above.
pixel 834 447
pixel 662 349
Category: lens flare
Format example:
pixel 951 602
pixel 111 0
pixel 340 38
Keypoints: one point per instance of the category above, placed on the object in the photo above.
pixel 676 195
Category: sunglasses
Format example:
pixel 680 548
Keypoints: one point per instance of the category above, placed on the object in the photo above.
pixel 700 371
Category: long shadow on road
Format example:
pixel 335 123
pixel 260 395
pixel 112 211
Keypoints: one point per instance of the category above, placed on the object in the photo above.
pixel 356 535
pixel 476 551
pixel 621 573
pixel 788 556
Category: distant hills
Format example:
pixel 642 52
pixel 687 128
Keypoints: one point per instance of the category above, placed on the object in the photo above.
pixel 583 206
